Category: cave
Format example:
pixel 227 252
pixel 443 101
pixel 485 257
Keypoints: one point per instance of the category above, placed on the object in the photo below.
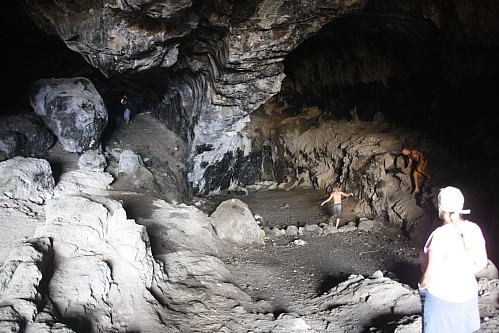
pixel 254 88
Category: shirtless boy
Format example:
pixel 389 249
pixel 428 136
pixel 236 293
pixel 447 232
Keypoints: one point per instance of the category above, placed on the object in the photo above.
pixel 418 157
pixel 336 197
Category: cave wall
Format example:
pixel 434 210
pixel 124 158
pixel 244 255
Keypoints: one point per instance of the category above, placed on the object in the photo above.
pixel 220 59
pixel 204 67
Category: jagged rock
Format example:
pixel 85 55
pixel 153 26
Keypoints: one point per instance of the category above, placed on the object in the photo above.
pixel 347 228
pixel 24 136
pixel 358 296
pixel 233 82
pixel 357 154
pixel 234 222
pixel 133 171
pixel 104 264
pixel 290 323
pixel 20 277
pixel 18 219
pixel 330 229
pixel 408 324
pixel 72 109
pixel 110 276
pixel 78 181
pixel 278 232
pixel 92 160
pixel 312 229
pixel 488 299
pixel 26 179
pixel 365 224
pixel 131 163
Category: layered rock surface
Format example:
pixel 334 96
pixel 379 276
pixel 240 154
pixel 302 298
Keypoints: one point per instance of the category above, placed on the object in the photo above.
pixel 227 58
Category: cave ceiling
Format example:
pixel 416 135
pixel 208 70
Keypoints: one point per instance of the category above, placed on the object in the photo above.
pixel 203 66
pixel 148 47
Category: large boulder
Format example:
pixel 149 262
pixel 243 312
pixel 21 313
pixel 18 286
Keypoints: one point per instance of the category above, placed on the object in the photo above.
pixel 234 222
pixel 104 268
pixel 24 136
pixel 132 169
pixel 72 109
pixel 26 179
pixel 110 276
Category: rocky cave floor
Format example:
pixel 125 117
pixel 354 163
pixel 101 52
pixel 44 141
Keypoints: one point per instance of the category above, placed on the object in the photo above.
pixel 288 271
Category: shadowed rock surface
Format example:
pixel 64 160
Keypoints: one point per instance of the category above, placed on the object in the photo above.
pixel 271 103
pixel 167 269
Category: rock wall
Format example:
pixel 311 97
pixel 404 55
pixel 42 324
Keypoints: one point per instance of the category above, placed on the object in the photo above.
pixel 204 67
pixel 224 59
pixel 308 150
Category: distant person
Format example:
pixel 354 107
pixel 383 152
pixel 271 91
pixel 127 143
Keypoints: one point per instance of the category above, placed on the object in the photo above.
pixel 419 165
pixel 126 112
pixel 451 257
pixel 337 208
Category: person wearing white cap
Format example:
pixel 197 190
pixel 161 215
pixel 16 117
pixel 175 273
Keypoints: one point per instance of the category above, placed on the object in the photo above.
pixel 452 255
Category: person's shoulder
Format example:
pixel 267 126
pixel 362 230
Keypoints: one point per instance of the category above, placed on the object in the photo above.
pixel 472 225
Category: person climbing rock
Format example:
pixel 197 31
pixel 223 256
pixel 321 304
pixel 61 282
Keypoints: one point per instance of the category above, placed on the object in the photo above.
pixel 418 167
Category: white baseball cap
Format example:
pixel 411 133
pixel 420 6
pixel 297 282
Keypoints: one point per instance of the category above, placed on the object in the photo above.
pixel 451 200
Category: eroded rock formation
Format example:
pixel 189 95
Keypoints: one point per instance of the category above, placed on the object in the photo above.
pixel 72 109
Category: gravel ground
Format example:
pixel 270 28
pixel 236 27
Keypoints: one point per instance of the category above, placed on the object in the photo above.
pixel 288 270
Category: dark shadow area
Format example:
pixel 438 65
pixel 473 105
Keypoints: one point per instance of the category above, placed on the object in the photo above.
pixel 407 273
pixel 159 245
pixel 57 170
pixel 279 311
pixel 331 281
pixel 386 323
pixel 136 205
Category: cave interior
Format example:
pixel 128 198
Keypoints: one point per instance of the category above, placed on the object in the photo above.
pixel 428 66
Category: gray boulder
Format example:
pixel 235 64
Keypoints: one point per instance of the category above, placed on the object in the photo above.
pixel 26 178
pixel 92 160
pixel 22 293
pixel 104 261
pixel 21 274
pixel 488 299
pixel 72 109
pixel 234 222
pixel 132 168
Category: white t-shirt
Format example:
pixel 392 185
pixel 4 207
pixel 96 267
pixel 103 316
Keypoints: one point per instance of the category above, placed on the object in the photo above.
pixel 454 280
